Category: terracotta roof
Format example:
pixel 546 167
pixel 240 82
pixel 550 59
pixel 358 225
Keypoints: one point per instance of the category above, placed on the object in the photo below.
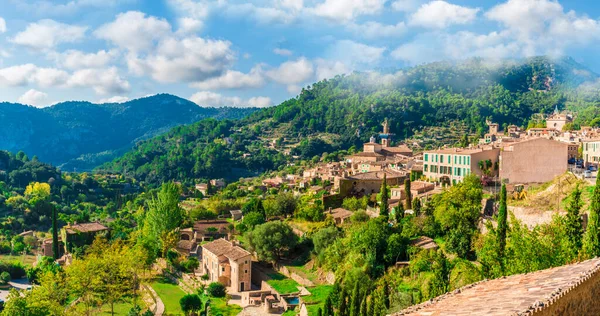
pixel 85 228
pixel 222 247
pixel 376 175
pixel 398 149
pixel 519 294
pixel 186 244
pixel 203 226
pixel 367 154
pixel 340 213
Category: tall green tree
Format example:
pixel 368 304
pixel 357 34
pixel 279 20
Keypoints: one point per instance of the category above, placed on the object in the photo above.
pixel 55 252
pixel 408 201
pixel 384 204
pixel 272 240
pixel 363 306
pixel 328 307
pixel 164 214
pixel 355 301
pixel 574 223
pixel 591 238
pixel 342 304
pixel 502 222
pixel 416 206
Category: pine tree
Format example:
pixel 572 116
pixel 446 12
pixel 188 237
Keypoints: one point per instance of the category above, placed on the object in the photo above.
pixel 319 312
pixel 55 252
pixel 384 206
pixel 380 309
pixel 416 206
pixel 386 294
pixel 408 194
pixel 502 223
pixel 574 225
pixel 591 238
pixel 355 301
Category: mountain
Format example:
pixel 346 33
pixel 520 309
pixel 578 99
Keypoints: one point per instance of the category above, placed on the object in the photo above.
pixel 342 112
pixel 83 135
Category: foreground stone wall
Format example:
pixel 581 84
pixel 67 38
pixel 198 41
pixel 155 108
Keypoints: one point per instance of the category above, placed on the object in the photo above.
pixel 582 299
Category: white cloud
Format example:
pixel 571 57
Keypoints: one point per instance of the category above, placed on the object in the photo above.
pixel 33 97
pixel 134 31
pixel 327 69
pixel 355 54
pixel 21 75
pixel 189 25
pixel 263 15
pixel 260 102
pixel 406 5
pixel 441 14
pixel 211 99
pixel 2 26
pixel 291 4
pixel 53 7
pixel 115 99
pixel 283 52
pixel 103 81
pixel 292 72
pixel 543 27
pixel 232 79
pixel 374 29
pixel 46 34
pixel 190 59
pixel 346 10
pixel 75 59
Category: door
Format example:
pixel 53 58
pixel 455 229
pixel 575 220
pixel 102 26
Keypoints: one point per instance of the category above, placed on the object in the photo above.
pixel 242 287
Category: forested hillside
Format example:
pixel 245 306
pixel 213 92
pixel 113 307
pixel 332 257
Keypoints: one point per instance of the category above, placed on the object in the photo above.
pixel 345 111
pixel 83 135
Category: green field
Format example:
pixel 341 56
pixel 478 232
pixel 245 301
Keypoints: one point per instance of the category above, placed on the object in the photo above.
pixel 27 260
pixel 282 284
pixel 218 306
pixel 170 294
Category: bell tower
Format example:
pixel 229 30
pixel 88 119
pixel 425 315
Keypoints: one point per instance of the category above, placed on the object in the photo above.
pixel 386 136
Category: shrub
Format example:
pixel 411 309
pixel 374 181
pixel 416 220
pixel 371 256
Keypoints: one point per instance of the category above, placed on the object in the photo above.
pixel 216 289
pixel 4 277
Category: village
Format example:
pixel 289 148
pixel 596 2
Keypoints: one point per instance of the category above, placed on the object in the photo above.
pixel 215 250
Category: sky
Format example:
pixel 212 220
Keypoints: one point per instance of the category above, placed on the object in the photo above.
pixel 260 53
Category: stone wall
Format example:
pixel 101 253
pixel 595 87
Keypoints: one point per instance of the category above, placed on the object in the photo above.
pixel 294 276
pixel 583 299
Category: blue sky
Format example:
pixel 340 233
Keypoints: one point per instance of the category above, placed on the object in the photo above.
pixel 259 53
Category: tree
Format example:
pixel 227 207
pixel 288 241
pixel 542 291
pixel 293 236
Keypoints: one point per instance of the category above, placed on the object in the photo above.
pixel 408 193
pixel 342 304
pixel 286 203
pixel 216 289
pixel 55 252
pixel 363 305
pixel 502 223
pixel 164 214
pixel 386 293
pixel 355 300
pixel 416 206
pixel 4 277
pixel 591 238
pixel 252 219
pixel 384 204
pixel 324 237
pixel 190 303
pixel 574 225
pixel 328 307
pixel 272 240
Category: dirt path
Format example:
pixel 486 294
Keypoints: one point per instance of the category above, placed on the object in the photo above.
pixel 532 217
pixel 159 309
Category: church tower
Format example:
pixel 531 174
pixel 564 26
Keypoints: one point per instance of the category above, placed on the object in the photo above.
pixel 386 136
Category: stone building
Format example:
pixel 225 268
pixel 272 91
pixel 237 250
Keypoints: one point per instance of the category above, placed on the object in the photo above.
pixel 591 152
pixel 368 183
pixel 79 235
pixel 227 264
pixel 535 160
pixel 558 120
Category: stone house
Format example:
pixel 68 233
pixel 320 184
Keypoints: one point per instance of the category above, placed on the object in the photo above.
pixel 79 235
pixel 228 264
pixel 206 230
pixel 340 215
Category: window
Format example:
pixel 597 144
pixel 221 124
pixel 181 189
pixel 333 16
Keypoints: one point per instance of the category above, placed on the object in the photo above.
pixel 245 271
pixel 442 158
pixel 426 156
pixel 425 168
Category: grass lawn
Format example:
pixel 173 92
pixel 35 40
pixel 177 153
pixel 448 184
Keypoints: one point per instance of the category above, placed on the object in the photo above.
pixel 293 313
pixel 318 294
pixel 218 306
pixel 170 294
pixel 120 308
pixel 27 260
pixel 282 284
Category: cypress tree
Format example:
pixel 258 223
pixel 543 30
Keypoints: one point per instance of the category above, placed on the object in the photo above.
pixel 342 307
pixel 371 311
pixel 319 312
pixel 502 223
pixel 574 223
pixel 386 294
pixel 591 238
pixel 399 213
pixel 355 301
pixel 328 307
pixel 408 194
pixel 416 206
pixel 384 206
pixel 363 306
pixel 55 253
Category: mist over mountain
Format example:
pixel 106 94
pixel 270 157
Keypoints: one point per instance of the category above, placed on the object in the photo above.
pixel 338 113
pixel 80 135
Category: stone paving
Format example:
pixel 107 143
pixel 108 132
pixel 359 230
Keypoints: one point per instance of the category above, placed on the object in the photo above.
pixel 514 295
